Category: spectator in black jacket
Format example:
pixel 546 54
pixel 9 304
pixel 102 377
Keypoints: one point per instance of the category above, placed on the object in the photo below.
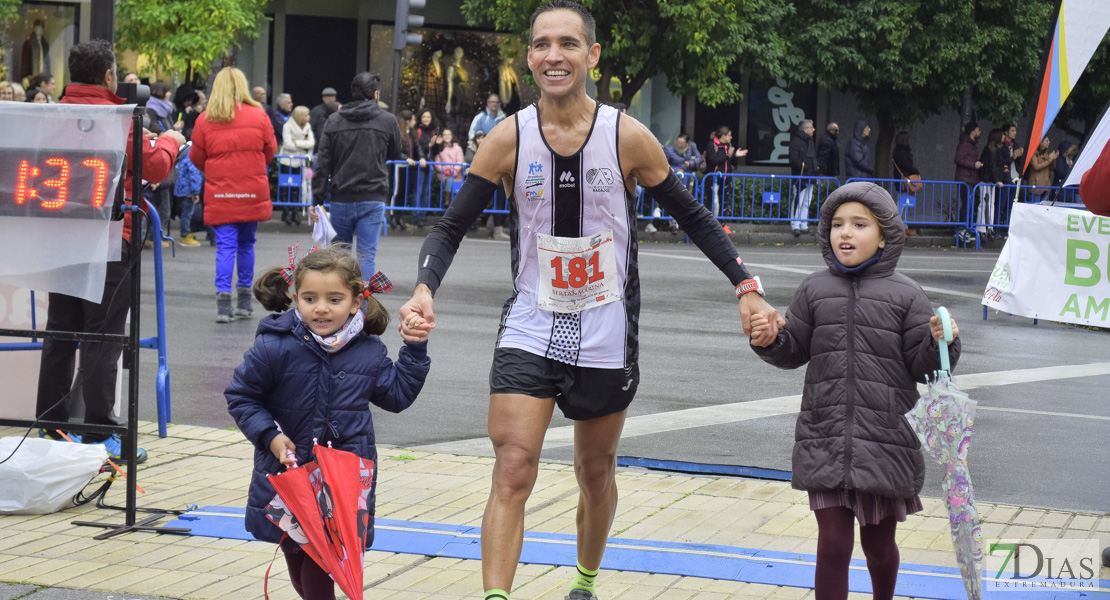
pixel 320 113
pixel 858 162
pixel 803 162
pixel 995 160
pixel 828 152
pixel 351 164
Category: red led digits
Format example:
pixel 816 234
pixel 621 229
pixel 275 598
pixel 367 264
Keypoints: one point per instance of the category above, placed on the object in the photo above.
pixel 22 192
pixel 100 170
pixel 59 183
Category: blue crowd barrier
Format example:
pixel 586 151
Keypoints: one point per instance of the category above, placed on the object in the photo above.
pixel 157 342
pixel 989 214
pixel 750 197
pixel 429 189
pixel 938 202
pixel 294 187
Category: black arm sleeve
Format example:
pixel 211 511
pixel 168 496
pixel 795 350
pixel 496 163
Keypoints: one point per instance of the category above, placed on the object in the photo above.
pixel 700 225
pixel 441 244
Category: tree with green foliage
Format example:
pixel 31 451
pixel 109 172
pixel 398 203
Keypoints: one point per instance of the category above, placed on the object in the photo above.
pixel 905 60
pixel 692 42
pixel 9 9
pixel 186 36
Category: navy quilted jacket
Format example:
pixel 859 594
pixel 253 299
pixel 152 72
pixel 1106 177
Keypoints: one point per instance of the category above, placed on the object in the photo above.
pixel 287 379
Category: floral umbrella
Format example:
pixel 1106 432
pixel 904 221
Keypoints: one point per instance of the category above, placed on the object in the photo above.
pixel 943 420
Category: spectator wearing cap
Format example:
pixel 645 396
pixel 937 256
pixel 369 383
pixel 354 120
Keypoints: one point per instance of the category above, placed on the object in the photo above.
pixel 319 113
pixel 486 119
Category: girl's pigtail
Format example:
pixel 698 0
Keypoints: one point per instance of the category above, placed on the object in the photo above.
pixel 375 316
pixel 272 291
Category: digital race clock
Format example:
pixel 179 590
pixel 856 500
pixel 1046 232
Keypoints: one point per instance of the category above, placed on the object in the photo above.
pixel 61 183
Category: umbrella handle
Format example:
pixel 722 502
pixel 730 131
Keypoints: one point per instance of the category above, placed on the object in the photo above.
pixel 946 322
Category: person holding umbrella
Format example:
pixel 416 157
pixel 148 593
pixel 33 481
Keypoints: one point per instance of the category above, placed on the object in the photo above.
pixel 309 376
pixel 869 337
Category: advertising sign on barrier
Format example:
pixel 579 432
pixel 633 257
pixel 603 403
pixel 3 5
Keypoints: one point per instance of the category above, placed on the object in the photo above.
pixel 1055 266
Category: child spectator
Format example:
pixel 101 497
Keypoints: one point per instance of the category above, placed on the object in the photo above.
pixel 309 375
pixel 186 191
pixel 869 337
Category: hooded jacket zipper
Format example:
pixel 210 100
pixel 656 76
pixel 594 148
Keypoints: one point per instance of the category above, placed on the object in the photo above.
pixel 850 392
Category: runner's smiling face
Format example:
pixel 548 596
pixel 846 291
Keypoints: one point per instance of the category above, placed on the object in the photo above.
pixel 558 55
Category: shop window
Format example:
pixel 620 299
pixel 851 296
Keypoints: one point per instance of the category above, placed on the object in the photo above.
pixel 38 41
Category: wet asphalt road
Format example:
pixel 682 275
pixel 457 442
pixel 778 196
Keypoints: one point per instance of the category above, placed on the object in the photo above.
pixel 692 355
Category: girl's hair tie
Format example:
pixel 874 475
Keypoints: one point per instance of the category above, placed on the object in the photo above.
pixel 378 284
pixel 287 272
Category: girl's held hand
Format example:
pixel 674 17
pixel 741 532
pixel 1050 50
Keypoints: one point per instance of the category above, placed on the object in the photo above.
pixel 279 447
pixel 937 329
pixel 761 331
pixel 414 327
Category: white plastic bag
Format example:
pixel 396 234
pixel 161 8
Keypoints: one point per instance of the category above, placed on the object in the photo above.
pixel 322 233
pixel 43 476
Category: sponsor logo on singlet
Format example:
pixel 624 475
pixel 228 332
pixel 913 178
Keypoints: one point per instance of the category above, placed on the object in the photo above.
pixel 535 181
pixel 566 180
pixel 601 180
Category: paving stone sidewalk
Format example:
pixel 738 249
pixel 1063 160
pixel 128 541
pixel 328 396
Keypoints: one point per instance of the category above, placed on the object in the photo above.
pixel 44 557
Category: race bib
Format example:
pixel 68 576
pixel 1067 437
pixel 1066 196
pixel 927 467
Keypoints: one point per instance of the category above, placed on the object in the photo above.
pixel 576 273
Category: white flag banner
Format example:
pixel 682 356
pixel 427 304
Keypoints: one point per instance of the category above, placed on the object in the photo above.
pixel 1055 266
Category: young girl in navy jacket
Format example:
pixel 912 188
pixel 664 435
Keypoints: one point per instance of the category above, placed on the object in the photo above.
pixel 312 374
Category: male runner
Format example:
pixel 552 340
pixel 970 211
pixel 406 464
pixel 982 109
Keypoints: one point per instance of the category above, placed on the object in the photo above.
pixel 568 334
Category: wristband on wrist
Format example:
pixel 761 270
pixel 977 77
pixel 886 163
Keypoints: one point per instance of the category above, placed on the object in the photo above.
pixel 750 285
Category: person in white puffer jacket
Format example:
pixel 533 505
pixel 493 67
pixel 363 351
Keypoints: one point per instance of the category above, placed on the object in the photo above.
pixel 297 139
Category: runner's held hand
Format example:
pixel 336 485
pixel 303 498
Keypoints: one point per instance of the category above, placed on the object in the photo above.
pixel 417 318
pixel 752 304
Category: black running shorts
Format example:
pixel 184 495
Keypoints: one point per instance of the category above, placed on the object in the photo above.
pixel 582 393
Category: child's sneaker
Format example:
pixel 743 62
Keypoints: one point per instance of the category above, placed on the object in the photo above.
pixel 53 435
pixel 115 451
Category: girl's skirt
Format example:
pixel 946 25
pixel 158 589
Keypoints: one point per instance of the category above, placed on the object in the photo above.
pixel 868 508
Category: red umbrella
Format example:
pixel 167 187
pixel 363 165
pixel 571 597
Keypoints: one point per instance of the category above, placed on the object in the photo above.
pixel 323 507
pixel 348 478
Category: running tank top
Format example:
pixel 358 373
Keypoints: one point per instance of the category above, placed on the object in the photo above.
pixel 577 196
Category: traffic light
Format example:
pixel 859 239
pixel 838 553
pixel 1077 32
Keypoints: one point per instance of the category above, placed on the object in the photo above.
pixel 406 22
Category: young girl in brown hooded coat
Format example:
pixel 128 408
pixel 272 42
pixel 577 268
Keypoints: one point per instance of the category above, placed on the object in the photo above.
pixel 869 338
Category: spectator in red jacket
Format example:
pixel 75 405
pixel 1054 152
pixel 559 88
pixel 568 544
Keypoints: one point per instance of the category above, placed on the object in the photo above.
pixel 233 141
pixel 92 66
pixel 1094 188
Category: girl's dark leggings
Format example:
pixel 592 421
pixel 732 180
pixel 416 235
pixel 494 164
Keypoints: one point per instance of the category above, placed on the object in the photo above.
pixel 836 528
pixel 309 580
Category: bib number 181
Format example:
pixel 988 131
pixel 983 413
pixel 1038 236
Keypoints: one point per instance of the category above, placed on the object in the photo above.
pixel 577 274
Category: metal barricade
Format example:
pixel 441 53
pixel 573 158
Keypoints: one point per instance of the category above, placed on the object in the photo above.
pixel 991 205
pixel 936 203
pixel 430 189
pixel 783 198
pixel 647 209
pixel 294 184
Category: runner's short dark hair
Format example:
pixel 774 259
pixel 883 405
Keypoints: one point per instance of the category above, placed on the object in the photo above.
pixel 588 22
pixel 89 60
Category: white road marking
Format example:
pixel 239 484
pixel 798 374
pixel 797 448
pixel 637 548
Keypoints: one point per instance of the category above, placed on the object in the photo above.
pixel 562 437
pixel 786 269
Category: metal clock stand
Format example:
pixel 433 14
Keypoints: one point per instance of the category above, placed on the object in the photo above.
pixel 130 341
